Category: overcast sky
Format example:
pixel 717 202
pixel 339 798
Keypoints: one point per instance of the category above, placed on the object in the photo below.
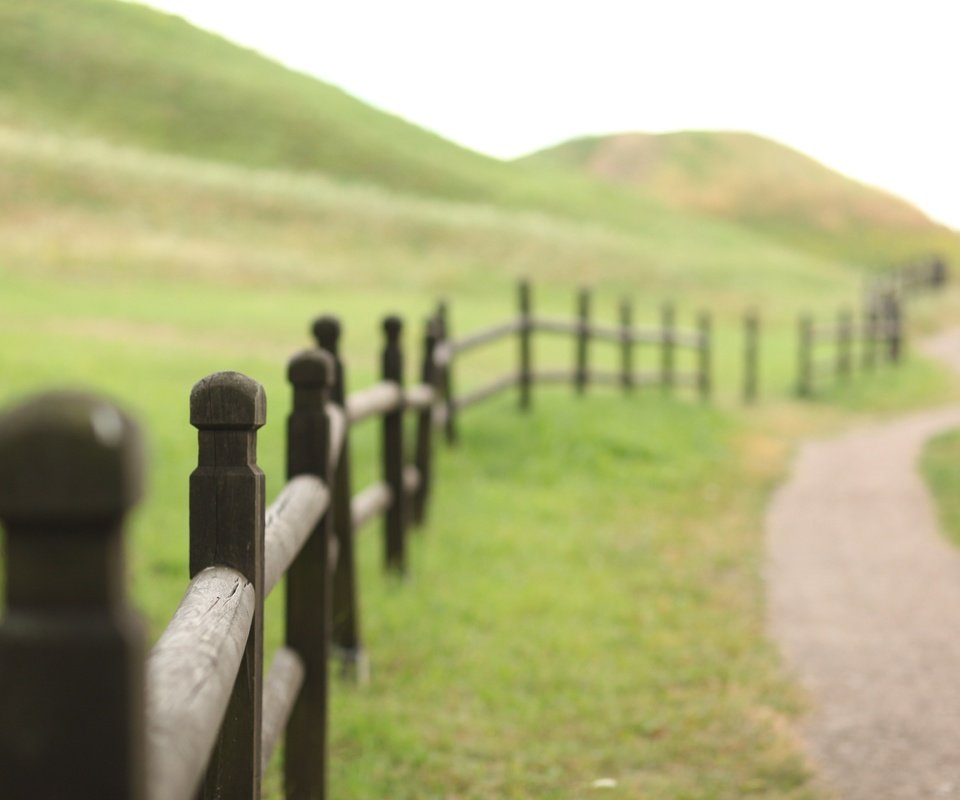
pixel 869 88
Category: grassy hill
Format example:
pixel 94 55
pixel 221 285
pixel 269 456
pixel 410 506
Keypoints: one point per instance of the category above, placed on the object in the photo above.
pixel 761 183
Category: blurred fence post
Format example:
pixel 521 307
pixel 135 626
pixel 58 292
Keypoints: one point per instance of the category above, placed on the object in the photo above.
pixel 392 452
pixel 581 374
pixel 667 320
pixel 626 344
pixel 71 648
pixel 751 351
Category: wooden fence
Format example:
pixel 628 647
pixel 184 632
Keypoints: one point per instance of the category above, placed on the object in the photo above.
pixel 666 338
pixel 83 713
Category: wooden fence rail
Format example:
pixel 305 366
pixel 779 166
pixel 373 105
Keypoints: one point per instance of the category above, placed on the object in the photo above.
pixel 583 330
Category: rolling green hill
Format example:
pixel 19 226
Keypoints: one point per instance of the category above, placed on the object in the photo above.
pixel 761 183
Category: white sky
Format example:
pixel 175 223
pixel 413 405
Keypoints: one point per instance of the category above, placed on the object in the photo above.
pixel 869 88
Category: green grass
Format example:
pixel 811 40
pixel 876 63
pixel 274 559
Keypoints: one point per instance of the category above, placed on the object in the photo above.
pixel 939 465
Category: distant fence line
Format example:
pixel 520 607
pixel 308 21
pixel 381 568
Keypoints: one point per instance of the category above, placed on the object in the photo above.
pixel 834 349
pixel 83 713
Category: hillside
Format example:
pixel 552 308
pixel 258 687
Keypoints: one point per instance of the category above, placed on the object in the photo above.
pixel 752 180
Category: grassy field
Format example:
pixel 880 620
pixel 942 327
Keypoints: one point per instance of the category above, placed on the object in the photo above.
pixel 939 465
pixel 586 601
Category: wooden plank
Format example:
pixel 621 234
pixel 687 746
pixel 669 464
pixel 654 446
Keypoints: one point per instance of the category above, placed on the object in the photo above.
pixel 418 397
pixel 371 501
pixel 71 649
pixel 561 326
pixel 486 336
pixel 484 392
pixel 381 398
pixel 280 691
pixel 190 676
pixel 290 520
pixel 226 529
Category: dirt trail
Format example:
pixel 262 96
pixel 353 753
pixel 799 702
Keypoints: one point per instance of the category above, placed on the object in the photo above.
pixel 864 600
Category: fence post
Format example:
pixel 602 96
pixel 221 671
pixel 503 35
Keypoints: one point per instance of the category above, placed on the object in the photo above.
pixel 805 356
pixel 446 374
pixel 667 319
pixel 226 528
pixel 869 347
pixel 311 374
pixel 525 377
pixel 626 344
pixel 71 648
pixel 424 451
pixel 751 348
pixel 392 452
pixel 345 634
pixel 580 375
pixel 893 327
pixel 845 320
pixel 704 382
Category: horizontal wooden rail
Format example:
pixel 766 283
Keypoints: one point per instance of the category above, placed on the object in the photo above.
pixel 686 378
pixel 411 478
pixel 338 433
pixel 418 396
pixel 547 325
pixel 486 336
pixel 495 387
pixel 553 376
pixel 189 678
pixel 691 339
pixel 380 398
pixel 280 690
pixel 290 520
pixel 370 502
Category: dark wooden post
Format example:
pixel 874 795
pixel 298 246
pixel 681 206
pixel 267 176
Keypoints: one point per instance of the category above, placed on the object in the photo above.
pixel 346 638
pixel 581 374
pixel 626 344
pixel 704 348
pixel 667 320
pixel 392 452
pixel 71 649
pixel 844 343
pixel 893 327
pixel 446 374
pixel 751 352
pixel 311 374
pixel 525 375
pixel 423 457
pixel 805 356
pixel 226 528
pixel 868 352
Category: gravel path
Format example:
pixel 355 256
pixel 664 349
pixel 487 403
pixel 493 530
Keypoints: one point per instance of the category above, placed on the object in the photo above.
pixel 864 601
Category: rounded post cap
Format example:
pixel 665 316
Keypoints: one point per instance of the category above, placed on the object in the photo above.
pixel 326 330
pixel 228 400
pixel 68 455
pixel 312 369
pixel 392 325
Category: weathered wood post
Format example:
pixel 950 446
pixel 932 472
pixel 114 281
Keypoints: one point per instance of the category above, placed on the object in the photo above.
pixel 226 528
pixel 843 341
pixel 893 324
pixel 581 374
pixel 446 373
pixel 525 335
pixel 751 353
pixel 423 457
pixel 667 320
pixel 392 452
pixel 626 344
pixel 71 649
pixel 346 639
pixel 312 374
pixel 704 352
pixel 805 356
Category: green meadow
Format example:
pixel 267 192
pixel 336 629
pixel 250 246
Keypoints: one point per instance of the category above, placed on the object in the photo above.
pixel 585 603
